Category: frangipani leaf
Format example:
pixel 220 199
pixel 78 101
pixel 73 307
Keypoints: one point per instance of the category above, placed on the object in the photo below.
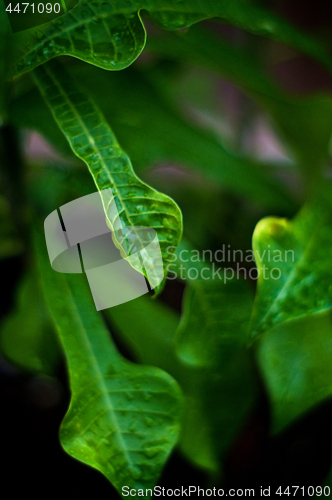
pixel 294 262
pixel 110 34
pixel 134 202
pixel 123 418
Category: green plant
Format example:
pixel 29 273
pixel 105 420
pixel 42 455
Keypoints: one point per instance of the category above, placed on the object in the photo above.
pixel 197 378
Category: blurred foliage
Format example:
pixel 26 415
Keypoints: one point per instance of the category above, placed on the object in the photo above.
pixel 173 135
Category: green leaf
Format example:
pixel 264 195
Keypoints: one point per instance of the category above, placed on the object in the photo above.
pixel 26 336
pixel 293 116
pixel 295 359
pixel 293 259
pixel 92 140
pixel 215 319
pixel 93 31
pixel 219 387
pixel 148 327
pixel 6 55
pixel 153 131
pixel 110 34
pixel 212 336
pixel 123 418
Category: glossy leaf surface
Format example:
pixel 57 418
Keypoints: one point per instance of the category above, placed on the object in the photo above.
pixel 152 130
pixel 110 34
pixel 123 418
pixel 134 202
pixel 92 31
pixel 219 391
pixel 293 259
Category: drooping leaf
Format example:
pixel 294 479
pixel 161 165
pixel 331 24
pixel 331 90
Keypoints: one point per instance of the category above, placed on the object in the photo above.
pixel 123 418
pixel 219 386
pixel 148 329
pixel 305 123
pixel 92 140
pixel 153 131
pixel 93 31
pixel 295 359
pixel 26 336
pixel 110 34
pixel 294 263
pixel 215 319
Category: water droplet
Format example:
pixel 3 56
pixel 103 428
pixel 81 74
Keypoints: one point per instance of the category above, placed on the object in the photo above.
pixel 58 22
pixel 129 395
pixel 132 427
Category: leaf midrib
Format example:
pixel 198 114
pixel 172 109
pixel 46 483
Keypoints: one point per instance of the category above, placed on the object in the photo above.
pixel 100 378
pixel 93 144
